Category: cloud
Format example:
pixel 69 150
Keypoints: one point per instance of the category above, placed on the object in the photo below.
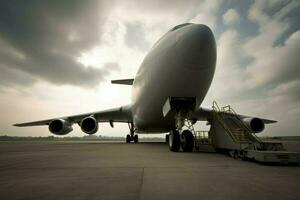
pixel 290 90
pixel 54 41
pixel 228 70
pixel 60 44
pixel 231 17
pixel 208 12
pixel 135 36
pixel 43 39
pixel 272 64
pixel 128 36
pixel 276 65
pixel 268 65
pixel 267 85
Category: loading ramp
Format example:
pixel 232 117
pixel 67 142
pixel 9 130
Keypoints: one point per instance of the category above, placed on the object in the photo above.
pixel 229 133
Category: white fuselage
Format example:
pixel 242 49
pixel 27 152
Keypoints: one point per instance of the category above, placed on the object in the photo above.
pixel 180 64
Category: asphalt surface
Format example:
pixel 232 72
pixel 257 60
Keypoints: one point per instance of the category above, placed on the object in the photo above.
pixel 82 170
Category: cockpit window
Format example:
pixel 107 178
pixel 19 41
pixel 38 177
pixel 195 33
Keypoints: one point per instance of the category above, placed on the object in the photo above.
pixel 179 26
pixel 174 28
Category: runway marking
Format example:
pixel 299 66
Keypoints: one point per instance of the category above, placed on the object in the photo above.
pixel 142 183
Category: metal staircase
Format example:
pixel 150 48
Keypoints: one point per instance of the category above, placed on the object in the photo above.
pixel 234 125
pixel 228 133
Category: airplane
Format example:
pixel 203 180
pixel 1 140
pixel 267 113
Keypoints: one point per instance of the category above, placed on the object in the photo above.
pixel 168 89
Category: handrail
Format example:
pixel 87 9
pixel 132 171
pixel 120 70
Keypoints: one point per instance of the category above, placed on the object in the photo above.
pixel 202 134
pixel 217 110
pixel 241 122
pixel 215 106
pixel 228 106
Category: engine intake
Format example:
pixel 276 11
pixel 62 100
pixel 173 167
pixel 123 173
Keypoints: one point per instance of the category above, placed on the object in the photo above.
pixel 255 124
pixel 60 127
pixel 89 125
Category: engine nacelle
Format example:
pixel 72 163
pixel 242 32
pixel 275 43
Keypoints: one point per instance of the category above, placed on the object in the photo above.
pixel 256 125
pixel 89 125
pixel 60 127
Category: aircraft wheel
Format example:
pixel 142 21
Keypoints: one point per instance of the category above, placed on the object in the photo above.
pixel 136 138
pixel 167 138
pixel 187 141
pixel 174 140
pixel 128 138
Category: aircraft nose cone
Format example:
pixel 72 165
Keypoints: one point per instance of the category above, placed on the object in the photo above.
pixel 196 47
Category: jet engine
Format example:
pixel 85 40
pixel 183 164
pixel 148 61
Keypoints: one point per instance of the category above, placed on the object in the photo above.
pixel 256 125
pixel 89 125
pixel 60 127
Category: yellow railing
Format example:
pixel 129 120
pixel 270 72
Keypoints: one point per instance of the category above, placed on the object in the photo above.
pixel 240 135
pixel 202 134
pixel 202 137
pixel 216 106
pixel 241 124
pixel 218 114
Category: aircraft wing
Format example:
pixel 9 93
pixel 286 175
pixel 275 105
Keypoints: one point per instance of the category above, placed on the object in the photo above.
pixel 120 114
pixel 204 114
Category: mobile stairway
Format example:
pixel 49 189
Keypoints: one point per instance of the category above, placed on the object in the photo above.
pixel 229 133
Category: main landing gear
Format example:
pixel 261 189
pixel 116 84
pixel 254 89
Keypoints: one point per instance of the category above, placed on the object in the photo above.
pixel 182 138
pixel 132 137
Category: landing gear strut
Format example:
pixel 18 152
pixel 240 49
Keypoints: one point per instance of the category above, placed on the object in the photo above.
pixel 132 137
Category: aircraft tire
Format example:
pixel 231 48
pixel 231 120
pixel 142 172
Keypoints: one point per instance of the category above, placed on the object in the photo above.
pixel 136 138
pixel 128 138
pixel 174 141
pixel 167 139
pixel 187 141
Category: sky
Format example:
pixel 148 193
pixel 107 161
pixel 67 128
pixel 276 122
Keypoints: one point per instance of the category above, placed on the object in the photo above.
pixel 57 57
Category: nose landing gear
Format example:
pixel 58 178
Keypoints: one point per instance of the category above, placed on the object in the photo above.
pixel 182 108
pixel 182 138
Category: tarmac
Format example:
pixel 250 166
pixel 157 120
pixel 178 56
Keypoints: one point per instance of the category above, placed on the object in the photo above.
pixel 147 171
